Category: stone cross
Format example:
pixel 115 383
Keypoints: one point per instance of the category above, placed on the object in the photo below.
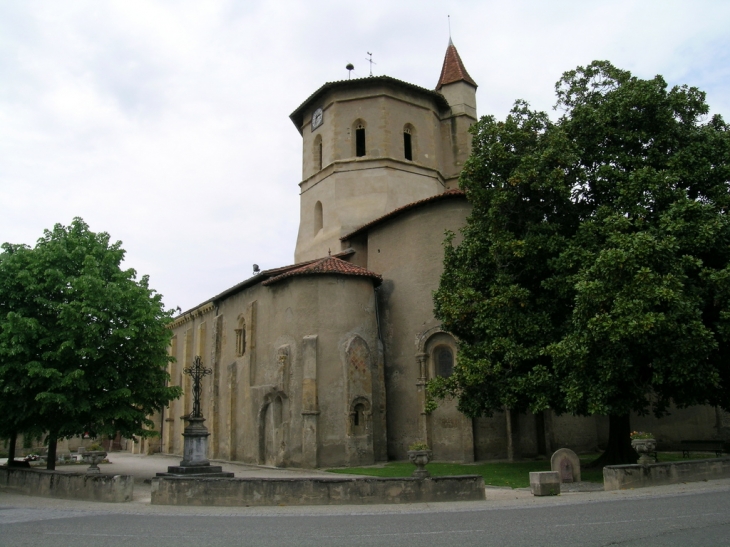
pixel 197 371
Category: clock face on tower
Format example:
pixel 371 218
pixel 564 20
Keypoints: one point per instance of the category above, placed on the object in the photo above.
pixel 317 117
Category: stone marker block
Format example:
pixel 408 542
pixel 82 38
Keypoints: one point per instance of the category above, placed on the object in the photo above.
pixel 545 483
pixel 567 464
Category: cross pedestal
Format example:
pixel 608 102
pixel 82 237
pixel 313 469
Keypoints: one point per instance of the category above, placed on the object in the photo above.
pixel 195 445
pixel 195 450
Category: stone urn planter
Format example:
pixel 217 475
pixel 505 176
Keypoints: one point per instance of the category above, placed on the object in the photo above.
pixel 420 459
pixel 644 447
pixel 94 458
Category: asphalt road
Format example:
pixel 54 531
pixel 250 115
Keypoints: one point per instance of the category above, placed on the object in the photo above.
pixel 695 518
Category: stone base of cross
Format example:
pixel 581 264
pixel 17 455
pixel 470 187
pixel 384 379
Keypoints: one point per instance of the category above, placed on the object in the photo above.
pixel 195 445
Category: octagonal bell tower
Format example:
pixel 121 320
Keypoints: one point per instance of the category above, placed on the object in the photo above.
pixel 371 145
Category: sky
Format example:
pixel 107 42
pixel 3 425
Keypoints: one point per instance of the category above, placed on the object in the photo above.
pixel 166 123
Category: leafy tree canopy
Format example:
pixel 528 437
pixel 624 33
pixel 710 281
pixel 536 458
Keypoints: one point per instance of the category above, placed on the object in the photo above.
pixel 83 343
pixel 594 272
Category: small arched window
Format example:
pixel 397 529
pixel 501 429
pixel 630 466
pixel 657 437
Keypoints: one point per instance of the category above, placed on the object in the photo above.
pixel 360 417
pixel 408 143
pixel 318 217
pixel 241 338
pixel 318 153
pixel 444 357
pixel 360 139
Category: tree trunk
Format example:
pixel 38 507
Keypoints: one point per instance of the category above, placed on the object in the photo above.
pixel 618 451
pixel 52 443
pixel 510 440
pixel 540 436
pixel 11 448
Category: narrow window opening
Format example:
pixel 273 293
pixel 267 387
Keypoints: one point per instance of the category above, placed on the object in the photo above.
pixel 317 153
pixel 241 338
pixel 359 421
pixel 444 362
pixel 360 141
pixel 407 148
pixel 318 217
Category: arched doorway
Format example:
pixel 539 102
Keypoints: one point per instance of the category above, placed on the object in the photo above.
pixel 272 439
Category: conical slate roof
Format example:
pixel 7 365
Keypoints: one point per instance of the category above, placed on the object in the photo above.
pixel 453 69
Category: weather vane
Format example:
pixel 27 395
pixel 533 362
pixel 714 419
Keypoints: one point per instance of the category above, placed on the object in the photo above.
pixel 197 371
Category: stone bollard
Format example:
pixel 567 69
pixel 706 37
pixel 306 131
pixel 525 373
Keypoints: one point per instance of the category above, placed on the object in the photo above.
pixel 545 483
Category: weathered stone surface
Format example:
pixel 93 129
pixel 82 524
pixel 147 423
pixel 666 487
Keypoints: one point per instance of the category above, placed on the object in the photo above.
pixel 77 486
pixel 315 491
pixel 567 464
pixel 196 471
pixel 545 483
pixel 195 447
pixel 622 477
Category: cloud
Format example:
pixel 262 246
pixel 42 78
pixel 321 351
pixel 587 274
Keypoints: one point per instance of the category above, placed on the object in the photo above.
pixel 166 123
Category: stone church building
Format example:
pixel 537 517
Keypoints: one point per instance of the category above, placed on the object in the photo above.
pixel 324 362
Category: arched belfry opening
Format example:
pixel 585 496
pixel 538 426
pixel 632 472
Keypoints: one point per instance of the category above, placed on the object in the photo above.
pixel 360 142
pixel 408 141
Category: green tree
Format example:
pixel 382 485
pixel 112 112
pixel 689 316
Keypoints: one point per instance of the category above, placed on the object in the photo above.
pixel 83 343
pixel 17 409
pixel 593 273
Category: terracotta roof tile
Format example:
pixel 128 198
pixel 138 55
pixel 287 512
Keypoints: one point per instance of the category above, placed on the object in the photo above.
pixel 259 278
pixel 326 266
pixel 448 194
pixel 453 69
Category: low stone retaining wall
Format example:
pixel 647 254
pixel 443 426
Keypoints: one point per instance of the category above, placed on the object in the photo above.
pixel 76 486
pixel 622 477
pixel 315 491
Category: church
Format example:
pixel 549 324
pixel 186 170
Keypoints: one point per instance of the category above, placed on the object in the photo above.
pixel 324 362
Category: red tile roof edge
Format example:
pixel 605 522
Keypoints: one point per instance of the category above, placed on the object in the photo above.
pixel 296 116
pixel 326 266
pixel 454 192
pixel 258 278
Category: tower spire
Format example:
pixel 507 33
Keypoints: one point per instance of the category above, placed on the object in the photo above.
pixel 453 69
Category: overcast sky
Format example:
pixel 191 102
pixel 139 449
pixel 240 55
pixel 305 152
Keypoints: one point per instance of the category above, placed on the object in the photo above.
pixel 166 123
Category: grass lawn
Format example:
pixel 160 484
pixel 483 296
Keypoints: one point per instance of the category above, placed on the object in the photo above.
pixel 514 475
